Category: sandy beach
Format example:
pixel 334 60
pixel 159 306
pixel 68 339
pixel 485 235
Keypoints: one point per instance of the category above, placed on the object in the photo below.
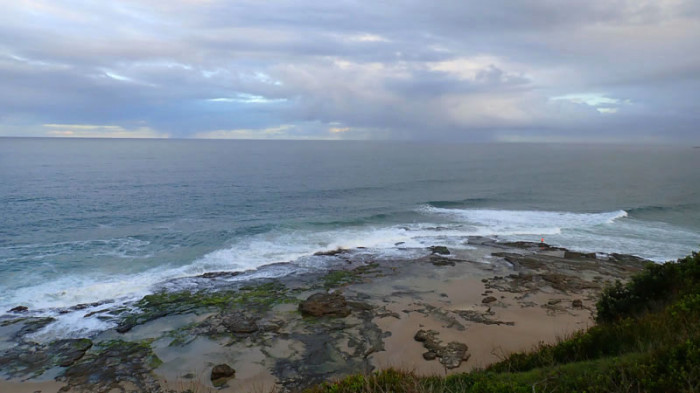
pixel 438 314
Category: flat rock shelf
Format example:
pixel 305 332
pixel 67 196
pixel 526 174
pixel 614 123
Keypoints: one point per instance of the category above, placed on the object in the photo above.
pixel 449 311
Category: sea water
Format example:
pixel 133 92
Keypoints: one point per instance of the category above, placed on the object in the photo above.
pixel 88 220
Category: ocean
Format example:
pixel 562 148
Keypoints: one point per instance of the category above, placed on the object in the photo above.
pixel 94 220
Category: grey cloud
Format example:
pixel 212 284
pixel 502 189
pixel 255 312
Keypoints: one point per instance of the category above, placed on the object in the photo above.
pixel 424 70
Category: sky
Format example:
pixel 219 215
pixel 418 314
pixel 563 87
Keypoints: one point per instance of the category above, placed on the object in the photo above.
pixel 602 71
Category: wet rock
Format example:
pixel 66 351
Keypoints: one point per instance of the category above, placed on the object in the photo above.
pixel 125 327
pixel 325 304
pixel 221 373
pixel 68 351
pixel 577 303
pixel 33 325
pixel 238 322
pixel 532 246
pixel 18 309
pixel 429 355
pixel 489 299
pixel 24 360
pixel 83 306
pixel 330 253
pixel 115 366
pixel 441 250
pixel 219 274
pixel 441 261
pixel 32 360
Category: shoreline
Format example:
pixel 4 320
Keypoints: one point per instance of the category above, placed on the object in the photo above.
pixel 473 306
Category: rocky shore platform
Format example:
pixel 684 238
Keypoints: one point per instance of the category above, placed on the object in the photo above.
pixel 444 312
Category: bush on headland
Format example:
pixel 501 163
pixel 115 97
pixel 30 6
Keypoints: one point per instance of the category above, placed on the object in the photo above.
pixel 647 339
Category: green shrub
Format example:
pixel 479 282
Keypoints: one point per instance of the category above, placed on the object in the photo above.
pixel 650 290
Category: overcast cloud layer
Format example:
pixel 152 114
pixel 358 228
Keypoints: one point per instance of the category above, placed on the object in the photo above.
pixel 499 70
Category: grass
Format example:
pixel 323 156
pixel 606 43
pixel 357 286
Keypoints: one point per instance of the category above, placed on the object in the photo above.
pixel 647 340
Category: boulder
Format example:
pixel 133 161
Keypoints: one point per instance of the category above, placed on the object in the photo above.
pixel 430 355
pixel 453 354
pixel 450 355
pixel 325 304
pixel 442 250
pixel 221 373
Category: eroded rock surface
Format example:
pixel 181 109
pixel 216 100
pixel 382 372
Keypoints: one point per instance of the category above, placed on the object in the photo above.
pixel 325 304
pixel 116 366
pixel 451 355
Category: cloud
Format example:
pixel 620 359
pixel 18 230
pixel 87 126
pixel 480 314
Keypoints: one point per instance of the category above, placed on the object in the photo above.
pixel 451 70
pixel 280 132
pixel 100 131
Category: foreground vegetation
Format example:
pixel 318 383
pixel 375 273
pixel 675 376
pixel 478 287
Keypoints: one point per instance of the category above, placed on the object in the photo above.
pixel 647 340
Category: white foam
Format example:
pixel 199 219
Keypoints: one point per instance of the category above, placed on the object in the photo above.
pixel 71 325
pixel 490 222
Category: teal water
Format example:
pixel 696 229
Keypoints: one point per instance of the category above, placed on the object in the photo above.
pixel 87 220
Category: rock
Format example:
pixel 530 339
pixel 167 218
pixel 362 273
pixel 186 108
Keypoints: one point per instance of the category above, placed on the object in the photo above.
pixel 83 306
pixel 489 299
pixel 430 355
pixel 19 309
pixel 33 325
pixel 441 261
pixel 221 373
pixel 577 303
pixel 330 253
pixel 454 354
pixel 219 274
pixel 422 335
pixel 238 322
pixel 483 318
pixel 114 366
pixel 451 355
pixel 442 250
pixel 630 259
pixel 573 255
pixel 68 351
pixel 325 304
